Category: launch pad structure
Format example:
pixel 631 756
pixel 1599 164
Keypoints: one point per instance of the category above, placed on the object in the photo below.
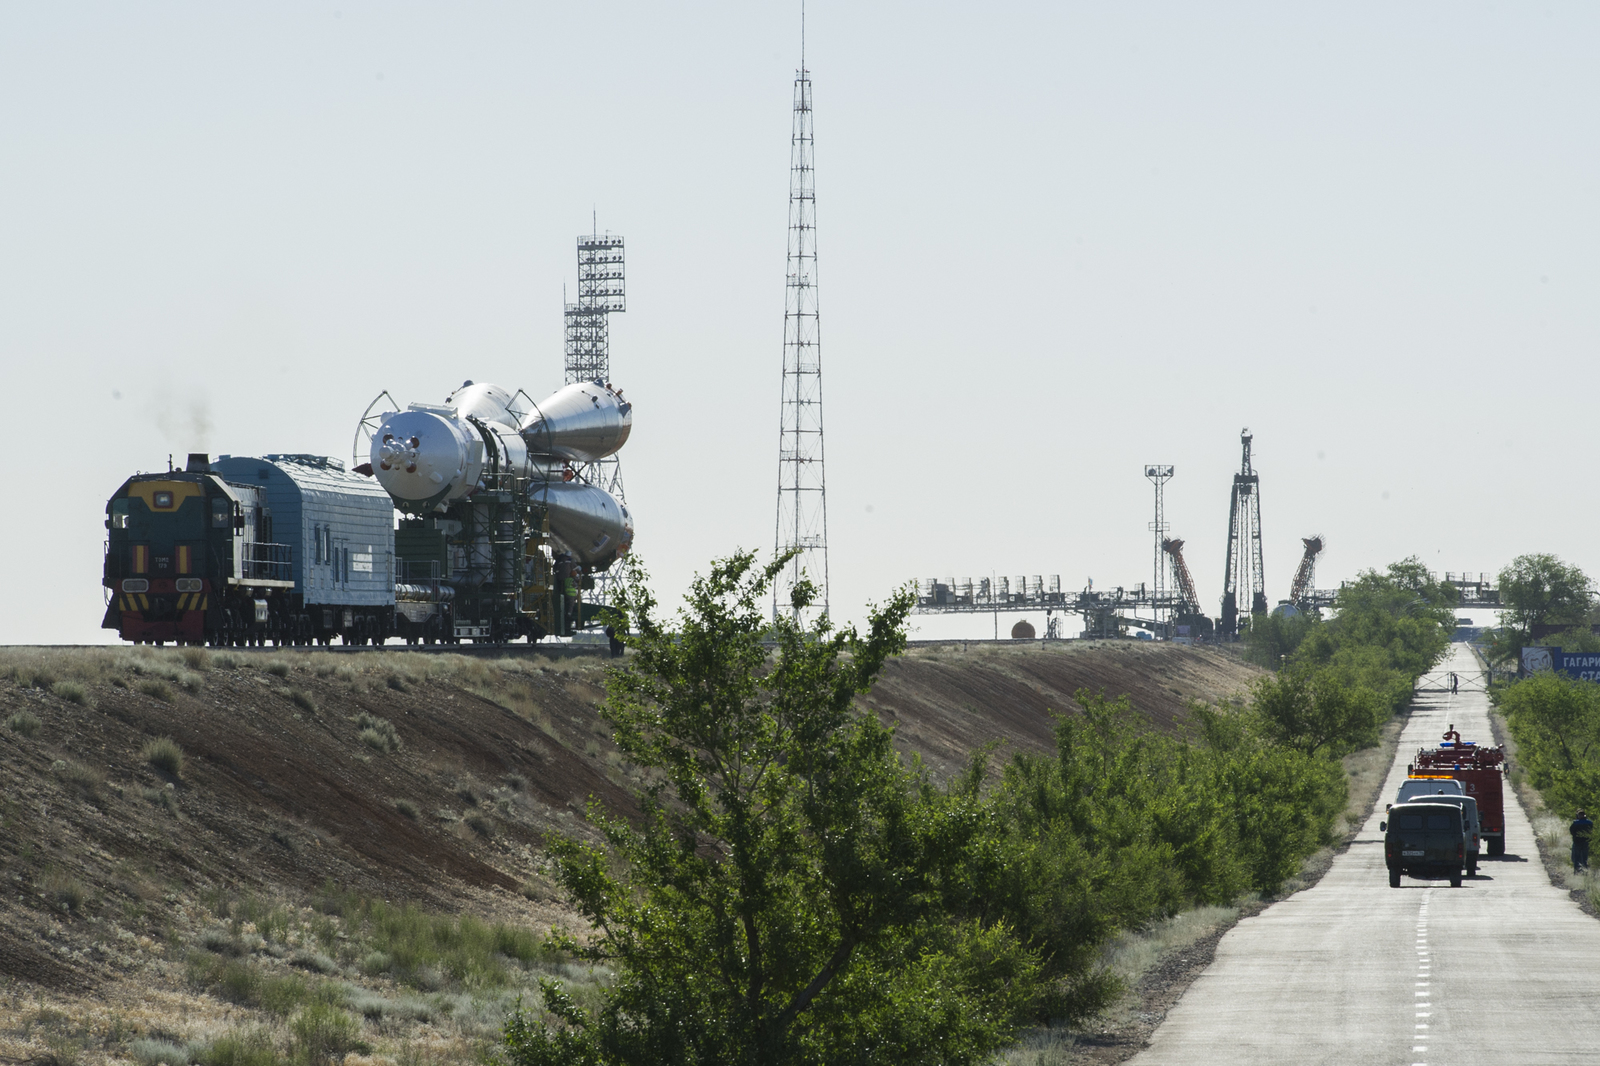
pixel 1244 579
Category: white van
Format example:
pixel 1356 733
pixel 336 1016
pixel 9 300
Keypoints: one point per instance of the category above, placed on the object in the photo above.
pixel 1425 788
pixel 1447 790
pixel 1469 812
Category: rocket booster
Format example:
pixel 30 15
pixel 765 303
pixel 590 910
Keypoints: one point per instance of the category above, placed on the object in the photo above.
pixel 581 423
pixel 430 456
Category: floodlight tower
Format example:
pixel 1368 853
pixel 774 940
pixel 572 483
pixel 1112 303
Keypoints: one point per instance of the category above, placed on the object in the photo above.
pixel 601 285
pixel 802 520
pixel 1244 577
pixel 1159 474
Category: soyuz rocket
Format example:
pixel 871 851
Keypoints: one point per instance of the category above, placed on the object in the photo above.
pixel 429 457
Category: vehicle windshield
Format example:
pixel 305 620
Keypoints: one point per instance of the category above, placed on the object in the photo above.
pixel 1425 821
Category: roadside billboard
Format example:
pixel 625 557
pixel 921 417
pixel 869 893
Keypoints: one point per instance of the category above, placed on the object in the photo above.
pixel 1585 666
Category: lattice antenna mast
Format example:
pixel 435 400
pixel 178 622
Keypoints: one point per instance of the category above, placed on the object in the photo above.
pixel 1159 474
pixel 1245 575
pixel 802 520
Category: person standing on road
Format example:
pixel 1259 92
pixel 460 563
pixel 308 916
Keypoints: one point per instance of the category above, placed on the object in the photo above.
pixel 1581 828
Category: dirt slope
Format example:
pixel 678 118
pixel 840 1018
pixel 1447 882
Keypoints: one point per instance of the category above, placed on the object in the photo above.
pixel 288 782
pixel 946 702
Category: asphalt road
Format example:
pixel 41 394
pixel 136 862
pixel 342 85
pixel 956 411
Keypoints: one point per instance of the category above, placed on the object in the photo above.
pixel 1505 969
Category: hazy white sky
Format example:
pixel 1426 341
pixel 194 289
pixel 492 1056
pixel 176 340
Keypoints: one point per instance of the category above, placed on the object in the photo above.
pixel 1057 242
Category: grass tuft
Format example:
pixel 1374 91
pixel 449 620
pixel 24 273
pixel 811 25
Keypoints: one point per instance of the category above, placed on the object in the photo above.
pixel 23 724
pixel 152 1052
pixel 277 668
pixel 406 808
pixel 160 797
pixel 164 754
pixel 197 659
pixel 155 688
pixel 64 891
pixel 71 691
pixel 378 733
pixel 85 779
pixel 252 1048
pixel 479 824
pixel 322 1032
pixel 303 700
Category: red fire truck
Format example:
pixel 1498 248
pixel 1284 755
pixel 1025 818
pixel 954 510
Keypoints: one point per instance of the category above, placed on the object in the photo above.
pixel 1481 771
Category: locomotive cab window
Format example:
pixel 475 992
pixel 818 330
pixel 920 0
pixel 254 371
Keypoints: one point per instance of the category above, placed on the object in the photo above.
pixel 163 500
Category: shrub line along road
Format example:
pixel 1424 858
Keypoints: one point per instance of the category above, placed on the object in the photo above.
pixel 1505 969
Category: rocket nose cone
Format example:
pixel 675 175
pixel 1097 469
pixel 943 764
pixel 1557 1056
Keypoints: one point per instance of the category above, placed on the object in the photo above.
pixel 416 455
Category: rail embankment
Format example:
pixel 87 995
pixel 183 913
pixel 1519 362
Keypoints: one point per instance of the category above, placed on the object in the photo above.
pixel 197 842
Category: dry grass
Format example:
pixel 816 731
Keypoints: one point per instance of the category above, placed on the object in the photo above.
pixel 165 755
pixel 24 724
pixel 378 733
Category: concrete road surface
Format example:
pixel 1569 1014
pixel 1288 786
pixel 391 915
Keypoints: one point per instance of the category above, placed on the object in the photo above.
pixel 1505 969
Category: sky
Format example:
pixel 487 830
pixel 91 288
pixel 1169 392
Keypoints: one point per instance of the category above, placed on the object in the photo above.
pixel 1057 242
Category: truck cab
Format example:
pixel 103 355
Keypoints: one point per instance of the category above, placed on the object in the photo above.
pixel 1426 840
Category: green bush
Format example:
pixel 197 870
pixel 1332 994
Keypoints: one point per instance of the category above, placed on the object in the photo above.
pixel 197 659
pixel 23 724
pixel 277 668
pixel 164 754
pixel 303 700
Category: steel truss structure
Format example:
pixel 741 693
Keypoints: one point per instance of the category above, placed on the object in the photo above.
pixel 802 518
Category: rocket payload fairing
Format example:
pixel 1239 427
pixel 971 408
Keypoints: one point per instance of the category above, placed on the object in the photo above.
pixel 428 457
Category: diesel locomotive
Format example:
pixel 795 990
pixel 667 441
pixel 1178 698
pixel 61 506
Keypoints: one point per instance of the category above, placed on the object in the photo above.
pixel 499 531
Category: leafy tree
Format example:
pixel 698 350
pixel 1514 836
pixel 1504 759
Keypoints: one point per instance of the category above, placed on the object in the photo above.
pixel 1125 825
pixel 1539 589
pixel 1316 712
pixel 1282 802
pixel 784 896
pixel 1556 720
pixel 1390 627
pixel 1269 639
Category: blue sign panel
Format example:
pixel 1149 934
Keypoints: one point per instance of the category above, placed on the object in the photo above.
pixel 1585 666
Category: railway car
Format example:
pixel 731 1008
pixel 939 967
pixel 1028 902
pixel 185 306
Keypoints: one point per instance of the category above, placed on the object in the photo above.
pixel 291 549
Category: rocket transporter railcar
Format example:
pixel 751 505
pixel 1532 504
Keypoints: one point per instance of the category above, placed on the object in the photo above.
pixel 498 535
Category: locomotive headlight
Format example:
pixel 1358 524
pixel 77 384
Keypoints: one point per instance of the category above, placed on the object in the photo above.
pixel 135 584
pixel 188 584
